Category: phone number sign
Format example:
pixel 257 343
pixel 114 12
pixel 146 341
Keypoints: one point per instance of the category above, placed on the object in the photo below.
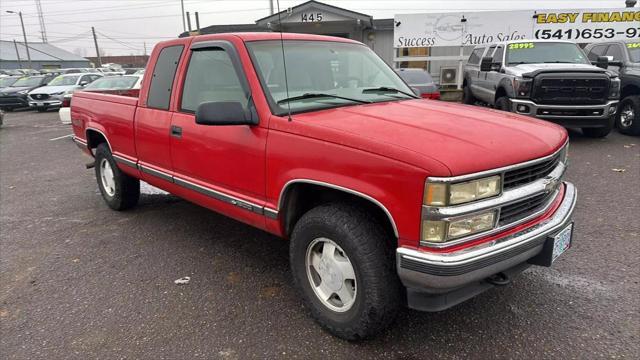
pixel 475 28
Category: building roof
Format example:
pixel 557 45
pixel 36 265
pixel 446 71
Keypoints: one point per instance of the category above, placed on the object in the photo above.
pixel 38 52
pixel 313 5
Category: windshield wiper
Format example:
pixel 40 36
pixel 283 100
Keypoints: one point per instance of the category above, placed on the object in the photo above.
pixel 319 95
pixel 558 62
pixel 389 89
pixel 518 63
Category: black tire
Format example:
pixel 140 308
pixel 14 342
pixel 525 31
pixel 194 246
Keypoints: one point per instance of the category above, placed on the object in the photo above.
pixel 503 103
pixel 364 242
pixel 126 191
pixel 630 103
pixel 599 132
pixel 467 96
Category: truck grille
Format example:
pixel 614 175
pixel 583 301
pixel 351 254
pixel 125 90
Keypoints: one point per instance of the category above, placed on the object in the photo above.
pixel 525 175
pixel 520 210
pixel 39 96
pixel 570 89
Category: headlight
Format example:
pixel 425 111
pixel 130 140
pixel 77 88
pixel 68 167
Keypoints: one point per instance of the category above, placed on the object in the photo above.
pixel 23 92
pixel 614 89
pixel 522 87
pixel 441 231
pixel 439 194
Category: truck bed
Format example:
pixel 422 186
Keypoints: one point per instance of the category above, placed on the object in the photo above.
pixel 109 114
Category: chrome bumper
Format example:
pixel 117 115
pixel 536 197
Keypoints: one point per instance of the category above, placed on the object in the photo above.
pixel 593 112
pixel 45 103
pixel 437 273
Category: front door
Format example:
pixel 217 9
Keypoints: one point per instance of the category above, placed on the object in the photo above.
pixel 225 162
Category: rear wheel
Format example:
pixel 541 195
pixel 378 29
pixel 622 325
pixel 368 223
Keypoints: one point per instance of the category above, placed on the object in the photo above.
pixel 628 116
pixel 119 190
pixel 503 103
pixel 467 96
pixel 341 266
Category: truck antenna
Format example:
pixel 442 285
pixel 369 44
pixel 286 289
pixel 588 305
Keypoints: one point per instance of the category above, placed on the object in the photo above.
pixel 284 62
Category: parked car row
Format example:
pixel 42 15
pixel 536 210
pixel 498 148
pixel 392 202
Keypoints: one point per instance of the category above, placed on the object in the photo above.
pixel 557 81
pixel 44 92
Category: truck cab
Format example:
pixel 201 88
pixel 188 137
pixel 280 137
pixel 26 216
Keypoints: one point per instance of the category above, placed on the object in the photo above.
pixel 622 57
pixel 550 80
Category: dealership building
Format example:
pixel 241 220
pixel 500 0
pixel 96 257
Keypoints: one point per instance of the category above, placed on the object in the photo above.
pixel 441 42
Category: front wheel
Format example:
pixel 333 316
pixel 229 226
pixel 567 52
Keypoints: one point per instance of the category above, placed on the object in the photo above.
pixel 599 132
pixel 341 266
pixel 628 116
pixel 119 190
pixel 503 103
pixel 467 96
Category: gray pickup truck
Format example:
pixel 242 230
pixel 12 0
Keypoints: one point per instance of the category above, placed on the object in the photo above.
pixel 550 80
pixel 623 58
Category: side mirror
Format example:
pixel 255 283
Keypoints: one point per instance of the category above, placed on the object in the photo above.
pixel 602 62
pixel 485 64
pixel 83 83
pixel 416 91
pixel 224 113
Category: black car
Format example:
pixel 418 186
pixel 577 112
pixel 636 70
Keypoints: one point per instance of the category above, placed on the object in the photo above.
pixel 15 95
pixel 623 57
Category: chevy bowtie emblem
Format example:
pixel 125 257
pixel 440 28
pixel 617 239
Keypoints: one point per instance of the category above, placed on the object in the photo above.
pixel 551 184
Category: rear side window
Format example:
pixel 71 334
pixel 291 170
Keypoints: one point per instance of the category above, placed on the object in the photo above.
pixel 162 78
pixel 475 56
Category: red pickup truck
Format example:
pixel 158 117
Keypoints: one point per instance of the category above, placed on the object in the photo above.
pixel 386 199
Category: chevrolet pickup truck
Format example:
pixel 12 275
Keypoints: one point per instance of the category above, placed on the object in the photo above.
pixel 385 198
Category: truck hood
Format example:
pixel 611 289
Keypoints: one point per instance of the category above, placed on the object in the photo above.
pixel 443 138
pixel 526 69
pixel 53 89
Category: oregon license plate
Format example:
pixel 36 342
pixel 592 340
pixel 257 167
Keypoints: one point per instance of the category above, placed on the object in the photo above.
pixel 561 242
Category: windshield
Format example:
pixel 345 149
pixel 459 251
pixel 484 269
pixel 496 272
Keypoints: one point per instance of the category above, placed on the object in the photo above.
pixel 7 81
pixel 544 52
pixel 28 81
pixel 634 52
pixel 64 80
pixel 113 83
pixel 340 70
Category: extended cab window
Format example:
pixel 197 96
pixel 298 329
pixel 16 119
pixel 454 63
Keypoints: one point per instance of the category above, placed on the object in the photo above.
pixel 497 55
pixel 476 55
pixel 162 78
pixel 211 77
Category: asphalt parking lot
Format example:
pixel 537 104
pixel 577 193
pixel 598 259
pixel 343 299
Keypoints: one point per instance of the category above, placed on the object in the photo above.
pixel 81 281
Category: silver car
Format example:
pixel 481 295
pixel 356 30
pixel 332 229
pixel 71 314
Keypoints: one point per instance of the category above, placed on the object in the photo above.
pixel 52 95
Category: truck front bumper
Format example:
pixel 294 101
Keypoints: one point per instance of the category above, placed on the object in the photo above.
pixel 437 281
pixel 568 115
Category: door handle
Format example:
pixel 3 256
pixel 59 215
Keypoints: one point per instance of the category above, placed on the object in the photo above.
pixel 176 131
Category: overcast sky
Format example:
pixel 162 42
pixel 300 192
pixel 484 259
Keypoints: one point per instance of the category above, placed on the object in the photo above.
pixel 124 26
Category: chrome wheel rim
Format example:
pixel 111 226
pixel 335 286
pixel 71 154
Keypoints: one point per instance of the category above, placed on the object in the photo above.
pixel 107 178
pixel 331 275
pixel 626 115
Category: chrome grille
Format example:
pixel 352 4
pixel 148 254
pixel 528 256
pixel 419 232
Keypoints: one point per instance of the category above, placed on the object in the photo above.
pixel 40 96
pixel 521 209
pixel 525 175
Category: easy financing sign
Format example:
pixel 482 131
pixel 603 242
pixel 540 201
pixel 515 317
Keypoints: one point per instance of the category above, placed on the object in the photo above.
pixel 474 28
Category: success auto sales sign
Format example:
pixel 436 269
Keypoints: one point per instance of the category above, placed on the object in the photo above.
pixel 455 29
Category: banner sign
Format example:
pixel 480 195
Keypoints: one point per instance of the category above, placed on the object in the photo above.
pixel 474 28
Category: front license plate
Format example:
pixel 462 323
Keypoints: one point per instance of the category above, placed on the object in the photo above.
pixel 39 104
pixel 561 242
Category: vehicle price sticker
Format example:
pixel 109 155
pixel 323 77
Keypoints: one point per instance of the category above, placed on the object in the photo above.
pixel 633 45
pixel 518 46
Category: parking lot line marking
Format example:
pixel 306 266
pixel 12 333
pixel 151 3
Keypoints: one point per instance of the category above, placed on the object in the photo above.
pixel 61 137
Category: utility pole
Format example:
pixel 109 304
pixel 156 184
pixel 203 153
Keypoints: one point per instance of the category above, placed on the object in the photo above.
pixel 15 44
pixel 144 44
pixel 197 23
pixel 43 29
pixel 189 21
pixel 271 6
pixel 24 35
pixel 95 42
pixel 184 26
